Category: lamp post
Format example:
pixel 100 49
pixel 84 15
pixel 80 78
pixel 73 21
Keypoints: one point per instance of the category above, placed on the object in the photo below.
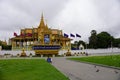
pixel 86 49
pixel 111 47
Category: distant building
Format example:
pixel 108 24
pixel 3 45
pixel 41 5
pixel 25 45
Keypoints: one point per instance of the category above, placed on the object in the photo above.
pixel 42 35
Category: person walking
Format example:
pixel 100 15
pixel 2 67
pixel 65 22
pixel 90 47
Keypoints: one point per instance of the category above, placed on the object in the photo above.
pixel 49 60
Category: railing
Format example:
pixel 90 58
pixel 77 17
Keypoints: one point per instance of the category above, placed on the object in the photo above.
pixel 89 51
pixel 27 48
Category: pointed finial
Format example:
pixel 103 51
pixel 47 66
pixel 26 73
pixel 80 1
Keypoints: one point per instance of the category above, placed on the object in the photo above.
pixel 42 21
pixel 42 16
pixel 46 26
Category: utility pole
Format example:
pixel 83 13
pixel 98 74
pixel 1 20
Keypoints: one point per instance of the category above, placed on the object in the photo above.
pixel 86 45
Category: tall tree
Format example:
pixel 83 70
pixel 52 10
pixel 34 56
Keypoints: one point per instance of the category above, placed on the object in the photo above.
pixel 93 39
pixel 81 42
pixel 104 40
pixel 116 42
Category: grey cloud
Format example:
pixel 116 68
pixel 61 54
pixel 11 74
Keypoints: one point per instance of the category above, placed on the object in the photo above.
pixel 72 16
pixel 17 14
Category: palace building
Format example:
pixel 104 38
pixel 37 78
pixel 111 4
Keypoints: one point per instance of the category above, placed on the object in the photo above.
pixel 42 39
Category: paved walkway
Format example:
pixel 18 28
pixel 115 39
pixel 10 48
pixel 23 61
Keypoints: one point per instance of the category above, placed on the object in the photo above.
pixel 81 71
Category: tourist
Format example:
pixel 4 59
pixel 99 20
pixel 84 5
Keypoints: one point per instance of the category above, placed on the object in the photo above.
pixel 49 60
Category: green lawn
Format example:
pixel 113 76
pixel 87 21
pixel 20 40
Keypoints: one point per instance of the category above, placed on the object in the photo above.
pixel 111 60
pixel 29 69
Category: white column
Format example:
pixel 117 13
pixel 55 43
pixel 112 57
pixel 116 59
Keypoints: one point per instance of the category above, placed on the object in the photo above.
pixel 41 55
pixel 53 55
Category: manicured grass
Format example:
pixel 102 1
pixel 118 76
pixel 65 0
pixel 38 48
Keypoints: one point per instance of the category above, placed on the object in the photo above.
pixel 29 69
pixel 111 60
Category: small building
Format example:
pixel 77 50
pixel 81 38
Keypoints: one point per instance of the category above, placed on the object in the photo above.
pixel 42 36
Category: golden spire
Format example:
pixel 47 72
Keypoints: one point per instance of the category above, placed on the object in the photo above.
pixel 42 21
pixel 42 16
pixel 46 26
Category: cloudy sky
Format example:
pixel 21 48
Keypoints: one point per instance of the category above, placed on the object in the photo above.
pixel 72 16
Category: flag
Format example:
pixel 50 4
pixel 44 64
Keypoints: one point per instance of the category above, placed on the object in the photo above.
pixel 29 34
pixel 65 35
pixel 22 35
pixel 72 35
pixel 77 35
pixel 15 34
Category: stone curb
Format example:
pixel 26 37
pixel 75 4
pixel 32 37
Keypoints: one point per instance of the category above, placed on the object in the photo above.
pixel 98 64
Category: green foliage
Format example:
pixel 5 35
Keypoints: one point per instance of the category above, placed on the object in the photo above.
pixel 6 47
pixel 104 40
pixel 101 40
pixel 29 69
pixel 93 39
pixel 76 44
pixel 73 45
pixel 111 60
pixel 116 42
pixel 81 42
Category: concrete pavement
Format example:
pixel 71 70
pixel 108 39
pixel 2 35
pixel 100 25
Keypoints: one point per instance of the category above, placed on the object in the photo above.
pixel 82 71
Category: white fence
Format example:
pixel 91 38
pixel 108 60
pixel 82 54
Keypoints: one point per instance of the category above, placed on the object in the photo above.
pixel 93 51
pixel 89 51
pixel 14 53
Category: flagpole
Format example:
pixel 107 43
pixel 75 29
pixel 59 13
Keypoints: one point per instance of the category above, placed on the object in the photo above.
pixel 33 33
pixel 86 47
pixel 78 36
pixel 20 38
